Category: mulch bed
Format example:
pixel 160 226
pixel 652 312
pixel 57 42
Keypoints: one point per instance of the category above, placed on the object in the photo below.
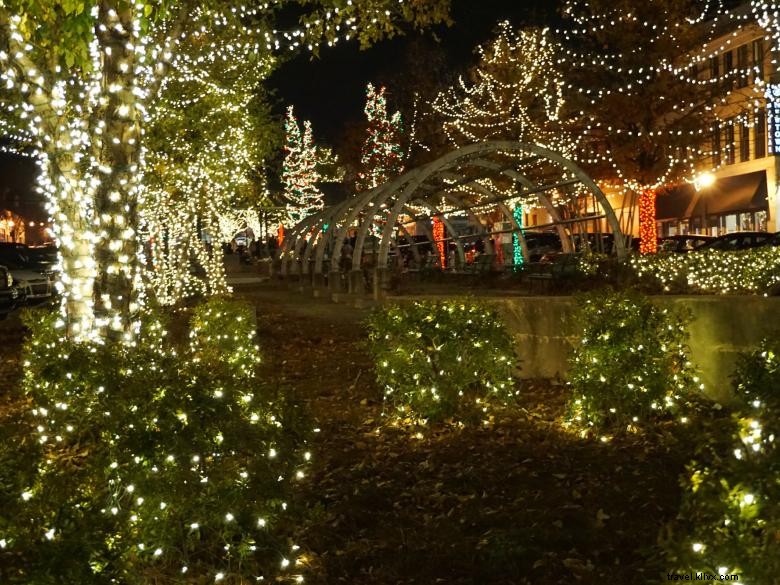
pixel 518 501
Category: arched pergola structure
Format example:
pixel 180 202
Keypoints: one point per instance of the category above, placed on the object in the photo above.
pixel 474 181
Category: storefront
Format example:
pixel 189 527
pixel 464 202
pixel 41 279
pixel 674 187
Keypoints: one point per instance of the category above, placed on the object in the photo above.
pixel 730 204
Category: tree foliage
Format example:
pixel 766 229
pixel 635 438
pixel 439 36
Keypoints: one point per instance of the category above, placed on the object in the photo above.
pixel 643 61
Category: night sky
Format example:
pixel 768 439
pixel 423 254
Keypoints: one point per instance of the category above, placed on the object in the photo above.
pixel 330 90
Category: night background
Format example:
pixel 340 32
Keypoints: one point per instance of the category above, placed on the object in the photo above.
pixel 330 90
pixel 526 337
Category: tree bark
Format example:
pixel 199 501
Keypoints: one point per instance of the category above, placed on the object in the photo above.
pixel 117 272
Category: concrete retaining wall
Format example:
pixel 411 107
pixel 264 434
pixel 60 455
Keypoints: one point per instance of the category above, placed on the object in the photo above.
pixel 722 326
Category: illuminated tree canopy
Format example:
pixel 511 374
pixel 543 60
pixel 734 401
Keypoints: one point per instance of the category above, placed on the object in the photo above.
pixel 514 93
pixel 383 156
pixel 82 83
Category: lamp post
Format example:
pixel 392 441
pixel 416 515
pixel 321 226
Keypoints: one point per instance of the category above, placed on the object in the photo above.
pixel 702 182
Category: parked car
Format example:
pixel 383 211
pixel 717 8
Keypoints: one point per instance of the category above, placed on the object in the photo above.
pixel 43 258
pixel 35 278
pixel 683 243
pixel 11 296
pixel 541 243
pixel 739 241
pixel 602 243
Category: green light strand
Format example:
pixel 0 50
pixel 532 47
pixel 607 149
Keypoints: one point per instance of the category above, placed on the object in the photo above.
pixel 517 249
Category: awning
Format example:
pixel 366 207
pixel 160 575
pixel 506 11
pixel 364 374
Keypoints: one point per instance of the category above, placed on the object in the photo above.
pixel 727 195
pixel 674 203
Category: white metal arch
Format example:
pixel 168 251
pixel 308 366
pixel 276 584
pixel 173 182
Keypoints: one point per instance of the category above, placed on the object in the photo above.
pixel 536 171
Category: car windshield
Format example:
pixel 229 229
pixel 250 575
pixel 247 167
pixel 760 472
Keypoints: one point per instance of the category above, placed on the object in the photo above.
pixel 13 259
pixel 42 254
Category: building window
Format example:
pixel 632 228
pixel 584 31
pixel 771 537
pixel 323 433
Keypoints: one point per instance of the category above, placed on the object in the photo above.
pixel 716 160
pixel 742 65
pixel 714 67
pixel 759 135
pixel 744 142
pixel 758 58
pixel 728 67
pixel 729 142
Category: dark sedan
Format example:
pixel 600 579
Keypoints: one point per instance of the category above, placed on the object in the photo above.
pixel 683 243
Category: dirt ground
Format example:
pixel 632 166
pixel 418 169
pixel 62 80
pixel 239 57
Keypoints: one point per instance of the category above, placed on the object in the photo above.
pixel 518 502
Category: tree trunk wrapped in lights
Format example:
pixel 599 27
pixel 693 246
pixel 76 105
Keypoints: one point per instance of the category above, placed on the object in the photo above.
pixel 439 234
pixel 90 162
pixel 648 241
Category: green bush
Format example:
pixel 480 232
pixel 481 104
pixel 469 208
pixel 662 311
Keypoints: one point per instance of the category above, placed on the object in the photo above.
pixel 729 520
pixel 436 360
pixel 754 271
pixel 156 463
pixel 630 366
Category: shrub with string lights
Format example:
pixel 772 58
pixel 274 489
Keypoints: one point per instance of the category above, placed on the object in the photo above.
pixel 442 359
pixel 167 461
pixel 754 271
pixel 630 366
pixel 729 521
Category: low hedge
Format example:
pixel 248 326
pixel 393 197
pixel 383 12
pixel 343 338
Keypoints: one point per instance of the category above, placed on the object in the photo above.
pixel 441 359
pixel 157 462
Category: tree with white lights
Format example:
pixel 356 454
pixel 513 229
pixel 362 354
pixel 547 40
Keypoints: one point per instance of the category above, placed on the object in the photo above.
pixel 207 137
pixel 83 78
pixel 383 156
pixel 643 87
pixel 300 173
pixel 515 92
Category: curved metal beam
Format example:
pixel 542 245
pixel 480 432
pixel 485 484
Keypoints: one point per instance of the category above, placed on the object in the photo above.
pixel 500 146
pixel 290 245
pixel 566 241
pixel 407 187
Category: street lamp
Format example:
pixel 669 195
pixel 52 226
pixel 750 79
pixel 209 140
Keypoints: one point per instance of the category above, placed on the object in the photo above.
pixel 702 182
